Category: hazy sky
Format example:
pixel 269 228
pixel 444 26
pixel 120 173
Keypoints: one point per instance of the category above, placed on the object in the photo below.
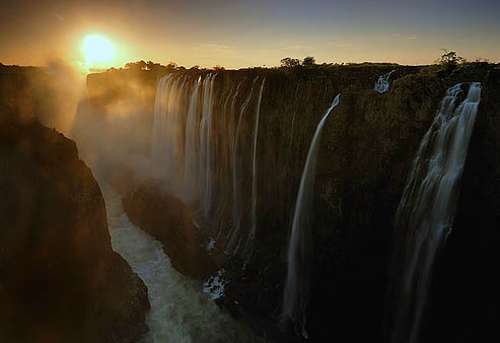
pixel 237 33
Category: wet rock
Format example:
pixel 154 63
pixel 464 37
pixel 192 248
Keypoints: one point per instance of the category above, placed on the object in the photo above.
pixel 171 222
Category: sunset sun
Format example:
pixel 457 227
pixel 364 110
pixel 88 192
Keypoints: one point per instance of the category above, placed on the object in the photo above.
pixel 98 50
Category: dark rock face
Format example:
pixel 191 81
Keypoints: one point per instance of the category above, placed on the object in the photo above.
pixel 60 281
pixel 366 152
pixel 170 221
pixel 48 94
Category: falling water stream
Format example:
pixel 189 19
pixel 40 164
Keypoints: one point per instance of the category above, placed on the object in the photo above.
pixel 296 294
pixel 234 241
pixel 192 161
pixel 427 208
pixel 180 313
pixel 254 165
pixel 190 152
pixel 206 149
pixel 382 85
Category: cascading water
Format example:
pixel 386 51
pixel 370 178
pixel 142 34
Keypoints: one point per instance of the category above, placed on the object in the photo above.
pixel 190 147
pixel 182 154
pixel 425 215
pixel 296 294
pixel 198 147
pixel 224 148
pixel 167 132
pixel 253 227
pixel 224 159
pixel 382 85
pixel 206 153
pixel 234 237
pixel 157 150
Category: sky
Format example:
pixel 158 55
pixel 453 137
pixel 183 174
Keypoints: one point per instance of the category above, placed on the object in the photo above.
pixel 238 33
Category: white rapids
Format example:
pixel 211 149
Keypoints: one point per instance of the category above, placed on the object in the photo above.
pixel 180 313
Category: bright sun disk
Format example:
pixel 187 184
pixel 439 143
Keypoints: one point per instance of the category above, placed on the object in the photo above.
pixel 97 50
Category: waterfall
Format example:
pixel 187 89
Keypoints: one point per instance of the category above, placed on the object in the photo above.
pixel 253 227
pixel 206 154
pixel 382 85
pixel 234 237
pixel 167 132
pixel 182 154
pixel 296 294
pixel 224 200
pixel 158 149
pixel 190 147
pixel 425 215
pixel 198 149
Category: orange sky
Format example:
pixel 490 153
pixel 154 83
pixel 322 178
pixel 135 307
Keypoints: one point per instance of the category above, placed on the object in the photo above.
pixel 249 33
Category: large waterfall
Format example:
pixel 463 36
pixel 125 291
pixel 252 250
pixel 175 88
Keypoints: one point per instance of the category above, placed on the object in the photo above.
pixel 167 132
pixel 199 150
pixel 190 156
pixel 427 208
pixel 234 237
pixel 206 141
pixel 296 294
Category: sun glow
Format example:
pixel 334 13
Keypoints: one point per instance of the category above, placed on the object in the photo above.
pixel 98 51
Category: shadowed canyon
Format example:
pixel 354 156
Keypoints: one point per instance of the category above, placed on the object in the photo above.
pixel 249 192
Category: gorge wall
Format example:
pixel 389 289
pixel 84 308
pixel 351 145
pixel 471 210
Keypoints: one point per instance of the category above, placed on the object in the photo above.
pixel 366 151
pixel 60 280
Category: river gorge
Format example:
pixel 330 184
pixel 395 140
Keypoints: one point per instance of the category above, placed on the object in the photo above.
pixel 345 203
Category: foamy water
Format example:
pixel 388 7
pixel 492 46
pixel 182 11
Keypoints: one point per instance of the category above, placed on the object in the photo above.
pixel 179 312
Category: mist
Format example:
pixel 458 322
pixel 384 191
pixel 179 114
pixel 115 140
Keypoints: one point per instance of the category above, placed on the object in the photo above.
pixel 112 127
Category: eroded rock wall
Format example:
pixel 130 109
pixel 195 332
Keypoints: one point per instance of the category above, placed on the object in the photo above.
pixel 60 280
pixel 365 156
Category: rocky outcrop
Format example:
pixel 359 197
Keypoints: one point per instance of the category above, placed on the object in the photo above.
pixel 171 222
pixel 60 280
pixel 47 94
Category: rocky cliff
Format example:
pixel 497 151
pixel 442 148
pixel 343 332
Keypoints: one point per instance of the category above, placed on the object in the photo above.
pixel 170 221
pixel 47 94
pixel 366 152
pixel 60 280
